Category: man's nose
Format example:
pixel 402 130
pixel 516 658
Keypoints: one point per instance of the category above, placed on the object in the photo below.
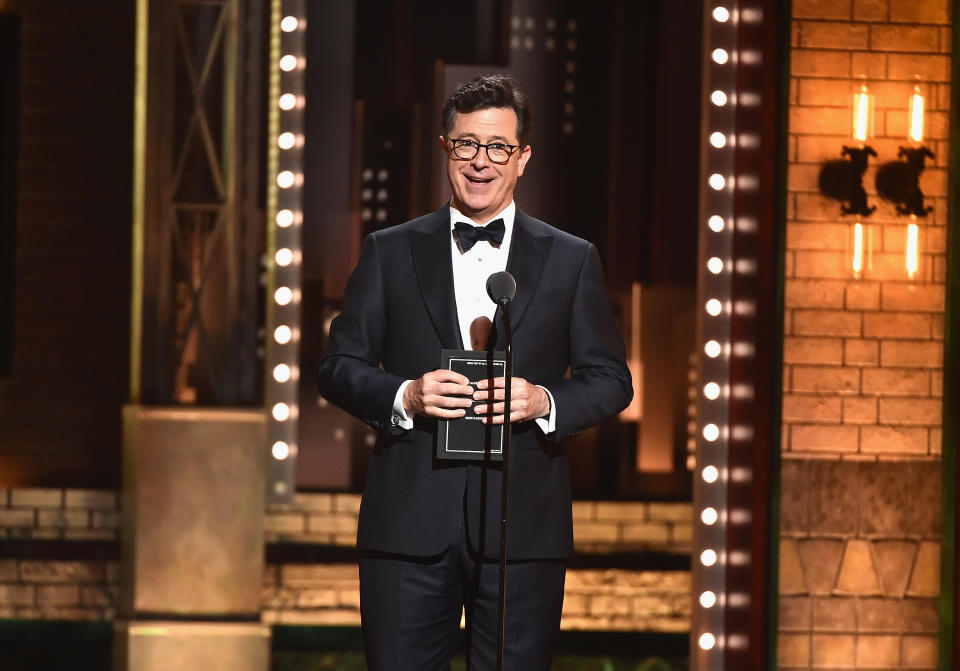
pixel 481 159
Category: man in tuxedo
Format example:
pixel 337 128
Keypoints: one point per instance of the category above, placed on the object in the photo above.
pixel 429 529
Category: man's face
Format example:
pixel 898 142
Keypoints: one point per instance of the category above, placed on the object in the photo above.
pixel 480 187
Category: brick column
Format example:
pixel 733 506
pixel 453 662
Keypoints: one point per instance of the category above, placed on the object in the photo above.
pixel 860 522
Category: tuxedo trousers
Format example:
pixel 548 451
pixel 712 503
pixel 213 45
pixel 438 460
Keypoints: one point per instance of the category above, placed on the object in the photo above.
pixel 411 609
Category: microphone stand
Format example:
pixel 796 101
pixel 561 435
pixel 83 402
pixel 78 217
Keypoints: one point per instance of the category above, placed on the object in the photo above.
pixel 508 373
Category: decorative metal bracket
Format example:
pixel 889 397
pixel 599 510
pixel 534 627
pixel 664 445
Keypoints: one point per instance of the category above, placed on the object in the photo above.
pixel 899 181
pixel 843 180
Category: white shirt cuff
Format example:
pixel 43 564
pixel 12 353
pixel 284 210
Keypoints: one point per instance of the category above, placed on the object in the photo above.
pixel 400 417
pixel 548 424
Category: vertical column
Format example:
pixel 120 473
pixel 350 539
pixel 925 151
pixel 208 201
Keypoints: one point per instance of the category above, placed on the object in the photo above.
pixel 194 477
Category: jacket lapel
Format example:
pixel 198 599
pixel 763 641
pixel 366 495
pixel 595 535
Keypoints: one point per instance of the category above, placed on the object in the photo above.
pixel 528 257
pixel 430 247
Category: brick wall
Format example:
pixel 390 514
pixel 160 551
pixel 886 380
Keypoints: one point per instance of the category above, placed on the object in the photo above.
pixel 328 593
pixel 860 544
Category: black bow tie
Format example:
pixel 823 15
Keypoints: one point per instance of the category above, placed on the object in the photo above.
pixel 470 235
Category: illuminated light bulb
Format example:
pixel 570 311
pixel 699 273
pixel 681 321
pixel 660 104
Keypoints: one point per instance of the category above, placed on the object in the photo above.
pixel 289 24
pixel 913 249
pixel 708 557
pixel 710 474
pixel 284 218
pixel 717 181
pixel 287 101
pixel 708 599
pixel 715 265
pixel 283 257
pixel 288 63
pixel 281 412
pixel 857 261
pixel 283 296
pixel 718 98
pixel 707 641
pixel 286 179
pixel 709 516
pixel 712 349
pixel 715 223
pixel 720 56
pixel 281 372
pixel 280 450
pixel 711 432
pixel 915 131
pixel 862 114
pixel 711 390
pixel 721 14
pixel 714 307
pixel 287 140
pixel 718 140
pixel 282 334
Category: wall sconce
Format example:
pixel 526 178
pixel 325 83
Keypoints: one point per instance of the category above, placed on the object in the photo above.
pixel 898 181
pixel 842 180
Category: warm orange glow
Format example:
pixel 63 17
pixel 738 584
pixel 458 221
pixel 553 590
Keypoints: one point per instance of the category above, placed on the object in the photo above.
pixel 913 249
pixel 862 114
pixel 857 249
pixel 915 133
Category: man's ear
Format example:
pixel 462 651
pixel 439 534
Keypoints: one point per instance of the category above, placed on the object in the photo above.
pixel 523 158
pixel 443 143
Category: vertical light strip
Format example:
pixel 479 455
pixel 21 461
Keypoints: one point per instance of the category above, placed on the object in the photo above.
pixel 284 250
pixel 709 559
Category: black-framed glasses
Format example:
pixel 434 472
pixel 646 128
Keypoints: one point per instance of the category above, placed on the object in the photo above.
pixel 497 152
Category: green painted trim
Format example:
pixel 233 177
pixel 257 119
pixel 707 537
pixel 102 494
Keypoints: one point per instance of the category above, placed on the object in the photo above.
pixel 318 638
pixel 273 161
pixel 776 432
pixel 951 369
pixel 141 82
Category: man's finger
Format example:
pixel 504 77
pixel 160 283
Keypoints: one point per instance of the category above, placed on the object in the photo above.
pixel 497 382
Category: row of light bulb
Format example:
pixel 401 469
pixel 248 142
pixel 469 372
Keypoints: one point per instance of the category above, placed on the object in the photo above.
pixel 284 257
pixel 714 307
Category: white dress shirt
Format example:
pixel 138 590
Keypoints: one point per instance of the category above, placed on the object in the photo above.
pixel 470 272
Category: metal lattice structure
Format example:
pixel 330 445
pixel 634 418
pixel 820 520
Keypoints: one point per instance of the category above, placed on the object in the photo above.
pixel 199 213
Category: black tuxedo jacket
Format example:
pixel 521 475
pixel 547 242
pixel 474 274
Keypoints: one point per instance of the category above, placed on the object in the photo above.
pixel 399 311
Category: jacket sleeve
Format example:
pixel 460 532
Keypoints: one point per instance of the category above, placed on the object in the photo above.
pixel 349 374
pixel 600 384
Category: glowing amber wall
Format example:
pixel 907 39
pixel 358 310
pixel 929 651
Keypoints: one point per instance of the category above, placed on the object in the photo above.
pixel 863 357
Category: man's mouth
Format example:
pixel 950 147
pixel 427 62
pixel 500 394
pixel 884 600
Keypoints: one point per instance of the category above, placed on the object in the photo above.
pixel 478 180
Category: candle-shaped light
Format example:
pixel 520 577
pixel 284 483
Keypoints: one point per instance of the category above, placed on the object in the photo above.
pixel 913 247
pixel 915 135
pixel 915 131
pixel 857 260
pixel 862 114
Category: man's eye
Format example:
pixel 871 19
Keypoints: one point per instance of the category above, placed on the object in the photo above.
pixel 466 143
pixel 497 146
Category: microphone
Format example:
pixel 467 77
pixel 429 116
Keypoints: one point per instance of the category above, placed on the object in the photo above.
pixel 501 287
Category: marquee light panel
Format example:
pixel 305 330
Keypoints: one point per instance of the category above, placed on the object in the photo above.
pixel 285 207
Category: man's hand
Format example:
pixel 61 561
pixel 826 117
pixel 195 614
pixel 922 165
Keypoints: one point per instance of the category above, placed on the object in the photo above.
pixel 439 393
pixel 527 401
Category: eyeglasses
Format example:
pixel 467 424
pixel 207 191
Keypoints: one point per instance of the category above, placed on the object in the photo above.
pixel 497 152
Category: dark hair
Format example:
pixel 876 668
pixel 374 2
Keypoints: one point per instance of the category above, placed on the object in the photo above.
pixel 485 92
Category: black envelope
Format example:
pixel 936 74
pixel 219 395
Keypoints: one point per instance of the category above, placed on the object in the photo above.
pixel 467 437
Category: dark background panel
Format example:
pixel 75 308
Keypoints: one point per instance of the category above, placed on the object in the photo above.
pixel 70 284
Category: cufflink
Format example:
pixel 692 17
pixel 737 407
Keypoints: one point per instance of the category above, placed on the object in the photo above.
pixel 395 420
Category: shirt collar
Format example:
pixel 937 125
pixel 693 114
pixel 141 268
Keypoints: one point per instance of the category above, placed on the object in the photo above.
pixel 508 214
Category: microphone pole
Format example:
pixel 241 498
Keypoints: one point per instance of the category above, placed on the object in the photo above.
pixel 501 288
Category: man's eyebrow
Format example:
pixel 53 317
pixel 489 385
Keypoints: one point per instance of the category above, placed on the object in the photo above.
pixel 473 136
